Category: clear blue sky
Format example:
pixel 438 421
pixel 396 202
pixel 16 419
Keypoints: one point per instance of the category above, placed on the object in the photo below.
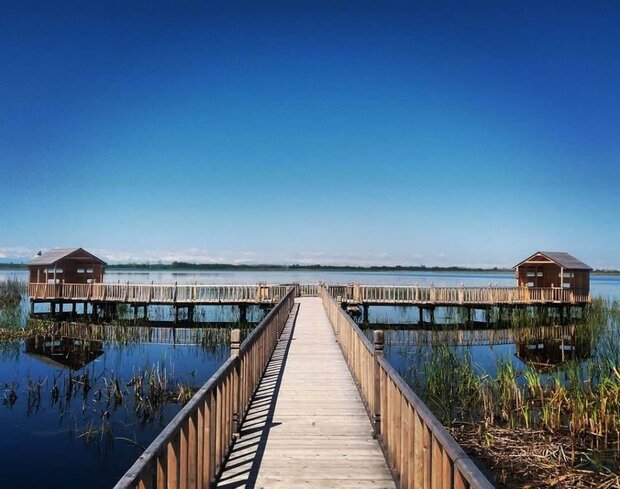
pixel 467 133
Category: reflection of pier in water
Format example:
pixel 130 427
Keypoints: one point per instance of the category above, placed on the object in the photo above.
pixel 147 334
pixel 62 351
pixel 476 337
pixel 549 352
pixel 542 347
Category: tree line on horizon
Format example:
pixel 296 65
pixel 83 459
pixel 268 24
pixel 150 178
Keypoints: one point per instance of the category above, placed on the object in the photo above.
pixel 179 265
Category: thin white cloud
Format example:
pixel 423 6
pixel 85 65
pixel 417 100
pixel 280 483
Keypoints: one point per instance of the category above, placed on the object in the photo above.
pixel 16 252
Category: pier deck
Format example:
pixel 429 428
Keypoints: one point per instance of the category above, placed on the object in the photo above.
pixel 307 425
pixel 305 400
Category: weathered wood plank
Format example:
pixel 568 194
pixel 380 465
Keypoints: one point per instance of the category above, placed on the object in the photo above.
pixel 307 425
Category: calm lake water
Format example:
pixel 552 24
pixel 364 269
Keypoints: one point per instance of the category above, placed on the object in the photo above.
pixel 82 437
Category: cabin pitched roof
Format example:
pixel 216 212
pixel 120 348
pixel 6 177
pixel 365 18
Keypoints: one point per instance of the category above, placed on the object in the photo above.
pixel 560 258
pixel 53 256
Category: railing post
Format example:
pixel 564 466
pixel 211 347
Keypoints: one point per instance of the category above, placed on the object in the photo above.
pixel 235 340
pixel 377 339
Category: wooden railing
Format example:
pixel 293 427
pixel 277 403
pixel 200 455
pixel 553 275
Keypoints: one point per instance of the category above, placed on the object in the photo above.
pixel 413 294
pixel 191 450
pixel 261 293
pixel 419 450
pixel 308 290
pixel 158 294
pixel 136 334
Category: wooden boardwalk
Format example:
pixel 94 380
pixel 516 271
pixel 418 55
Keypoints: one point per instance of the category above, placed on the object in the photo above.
pixel 307 425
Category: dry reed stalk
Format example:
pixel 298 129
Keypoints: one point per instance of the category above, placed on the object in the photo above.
pixel 525 458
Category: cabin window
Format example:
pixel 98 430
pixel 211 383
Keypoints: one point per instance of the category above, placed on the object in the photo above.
pixel 530 284
pixel 52 281
pixel 539 274
pixel 80 270
pixel 531 274
pixel 565 285
pixel 567 275
pixel 51 270
pixel 89 270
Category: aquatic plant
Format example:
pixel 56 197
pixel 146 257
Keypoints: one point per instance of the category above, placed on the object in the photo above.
pixel 580 399
pixel 11 291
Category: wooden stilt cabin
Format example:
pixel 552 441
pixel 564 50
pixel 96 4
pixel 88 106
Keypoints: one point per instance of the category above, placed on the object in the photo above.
pixel 554 269
pixel 66 265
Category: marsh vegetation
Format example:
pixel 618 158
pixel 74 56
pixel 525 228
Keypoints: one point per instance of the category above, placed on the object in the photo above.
pixel 547 414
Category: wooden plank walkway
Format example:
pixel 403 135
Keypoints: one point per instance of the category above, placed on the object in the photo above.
pixel 307 425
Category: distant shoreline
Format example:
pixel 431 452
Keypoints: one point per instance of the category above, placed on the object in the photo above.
pixel 296 267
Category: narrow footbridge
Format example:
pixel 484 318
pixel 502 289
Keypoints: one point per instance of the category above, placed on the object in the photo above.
pixel 305 400
pixel 184 295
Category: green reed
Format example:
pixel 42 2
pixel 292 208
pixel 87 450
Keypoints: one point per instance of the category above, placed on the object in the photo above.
pixel 581 398
pixel 11 291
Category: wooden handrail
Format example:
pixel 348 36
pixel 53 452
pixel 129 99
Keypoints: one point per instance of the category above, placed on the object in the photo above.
pixel 192 449
pixel 367 294
pixel 419 450
pixel 158 293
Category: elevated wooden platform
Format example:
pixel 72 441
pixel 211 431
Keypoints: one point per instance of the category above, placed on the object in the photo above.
pixel 367 295
pixel 157 294
pixel 307 425
pixel 309 403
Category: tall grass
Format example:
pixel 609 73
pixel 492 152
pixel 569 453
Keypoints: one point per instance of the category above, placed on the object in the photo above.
pixel 11 291
pixel 580 398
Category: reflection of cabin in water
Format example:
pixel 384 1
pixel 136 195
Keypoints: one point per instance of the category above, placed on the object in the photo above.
pixel 66 265
pixel 554 269
pixel 548 352
pixel 63 351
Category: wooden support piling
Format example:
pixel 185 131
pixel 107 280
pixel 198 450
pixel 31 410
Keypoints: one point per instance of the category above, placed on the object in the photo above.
pixel 243 311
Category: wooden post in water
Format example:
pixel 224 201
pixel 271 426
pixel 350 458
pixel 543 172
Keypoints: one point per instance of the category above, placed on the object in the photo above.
pixel 378 340
pixel 235 340
pixel 243 313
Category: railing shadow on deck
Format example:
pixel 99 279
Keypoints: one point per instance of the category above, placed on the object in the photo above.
pixel 419 450
pixel 244 462
pixel 191 451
